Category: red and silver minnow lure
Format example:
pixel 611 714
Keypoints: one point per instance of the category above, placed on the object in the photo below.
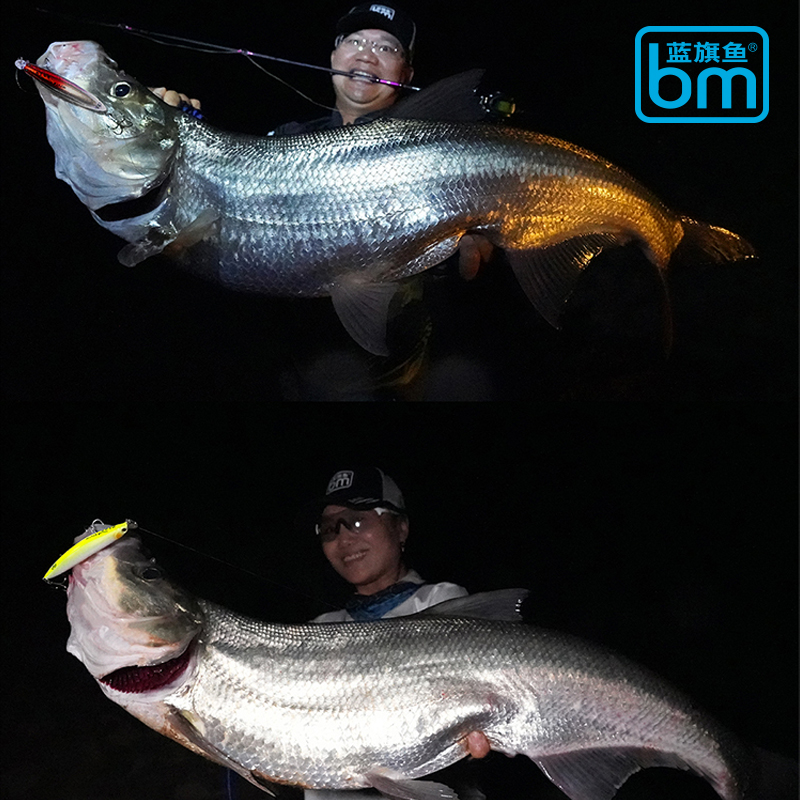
pixel 68 90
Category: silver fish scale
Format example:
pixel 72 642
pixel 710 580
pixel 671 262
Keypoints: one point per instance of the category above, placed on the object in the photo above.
pixel 323 705
pixel 381 201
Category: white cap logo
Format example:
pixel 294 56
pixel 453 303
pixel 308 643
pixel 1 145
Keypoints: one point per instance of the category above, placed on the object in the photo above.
pixel 341 480
pixel 385 10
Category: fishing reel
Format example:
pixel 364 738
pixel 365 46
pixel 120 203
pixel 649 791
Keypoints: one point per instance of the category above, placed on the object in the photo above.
pixel 498 105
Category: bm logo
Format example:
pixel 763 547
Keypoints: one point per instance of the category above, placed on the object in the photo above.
pixel 702 74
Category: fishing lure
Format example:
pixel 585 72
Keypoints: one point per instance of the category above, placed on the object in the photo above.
pixel 62 87
pixel 92 544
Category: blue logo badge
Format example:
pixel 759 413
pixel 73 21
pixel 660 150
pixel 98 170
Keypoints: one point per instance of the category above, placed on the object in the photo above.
pixel 702 73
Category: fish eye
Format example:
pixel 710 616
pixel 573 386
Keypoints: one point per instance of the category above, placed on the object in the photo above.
pixel 150 573
pixel 121 89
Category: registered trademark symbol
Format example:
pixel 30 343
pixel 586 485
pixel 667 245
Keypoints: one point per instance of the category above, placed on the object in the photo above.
pixel 752 47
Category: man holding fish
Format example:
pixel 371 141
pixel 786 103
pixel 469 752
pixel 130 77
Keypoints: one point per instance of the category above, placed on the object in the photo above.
pixel 373 41
pixel 362 526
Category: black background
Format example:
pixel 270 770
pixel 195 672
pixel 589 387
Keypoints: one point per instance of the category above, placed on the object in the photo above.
pixel 668 534
pixel 77 325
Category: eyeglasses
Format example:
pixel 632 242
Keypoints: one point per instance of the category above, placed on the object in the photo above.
pixel 355 521
pixel 353 43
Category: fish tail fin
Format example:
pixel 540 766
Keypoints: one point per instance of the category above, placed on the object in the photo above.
pixel 668 324
pixel 702 243
pixel 710 244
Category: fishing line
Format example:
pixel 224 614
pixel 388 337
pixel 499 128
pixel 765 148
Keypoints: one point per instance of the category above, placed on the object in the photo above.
pixel 260 577
pixel 170 40
pixel 289 85
pixel 61 581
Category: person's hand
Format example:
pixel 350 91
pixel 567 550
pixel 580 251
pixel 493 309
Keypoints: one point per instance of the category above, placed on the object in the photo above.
pixel 477 744
pixel 474 250
pixel 173 98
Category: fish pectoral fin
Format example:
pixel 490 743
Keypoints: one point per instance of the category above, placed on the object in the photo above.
pixel 169 238
pixel 502 605
pixel 597 774
pixel 151 244
pixel 363 309
pixel 548 274
pixel 203 226
pixel 186 729
pixel 397 787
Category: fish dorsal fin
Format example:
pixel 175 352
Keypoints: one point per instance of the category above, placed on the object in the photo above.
pixel 452 99
pixel 502 605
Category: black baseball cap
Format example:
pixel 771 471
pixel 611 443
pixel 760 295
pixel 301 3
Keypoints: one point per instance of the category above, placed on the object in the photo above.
pixel 360 488
pixel 382 17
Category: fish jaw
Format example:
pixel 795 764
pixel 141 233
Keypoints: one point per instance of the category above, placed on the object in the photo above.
pixel 108 157
pixel 124 616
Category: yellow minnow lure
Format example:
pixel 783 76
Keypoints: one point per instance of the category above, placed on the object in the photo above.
pixel 88 547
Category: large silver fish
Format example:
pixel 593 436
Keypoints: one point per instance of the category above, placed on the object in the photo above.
pixel 380 704
pixel 349 212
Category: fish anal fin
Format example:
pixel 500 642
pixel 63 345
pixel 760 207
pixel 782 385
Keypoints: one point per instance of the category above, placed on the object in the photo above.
pixel 363 309
pixel 502 605
pixel 397 787
pixel 451 99
pixel 548 274
pixel 597 774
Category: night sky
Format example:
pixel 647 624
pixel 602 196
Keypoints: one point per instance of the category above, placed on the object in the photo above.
pixel 668 534
pixel 79 326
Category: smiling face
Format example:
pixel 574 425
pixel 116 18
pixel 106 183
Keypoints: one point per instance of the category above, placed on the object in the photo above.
pixel 356 96
pixel 364 547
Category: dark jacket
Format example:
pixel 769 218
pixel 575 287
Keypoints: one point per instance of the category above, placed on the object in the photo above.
pixel 333 120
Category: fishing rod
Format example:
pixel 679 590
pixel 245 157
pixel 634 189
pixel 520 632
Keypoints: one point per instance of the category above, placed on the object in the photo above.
pixel 170 40
pixel 497 105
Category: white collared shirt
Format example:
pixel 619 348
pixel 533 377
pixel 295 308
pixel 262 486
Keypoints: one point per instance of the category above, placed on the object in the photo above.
pixel 429 594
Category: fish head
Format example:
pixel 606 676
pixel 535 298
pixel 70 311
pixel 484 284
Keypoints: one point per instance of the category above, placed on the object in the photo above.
pixel 125 613
pixel 113 138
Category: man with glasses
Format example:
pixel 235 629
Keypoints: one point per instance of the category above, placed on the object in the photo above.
pixel 378 40
pixel 372 40
pixel 362 526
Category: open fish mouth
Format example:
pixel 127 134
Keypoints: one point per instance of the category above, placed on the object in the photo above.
pixel 139 680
